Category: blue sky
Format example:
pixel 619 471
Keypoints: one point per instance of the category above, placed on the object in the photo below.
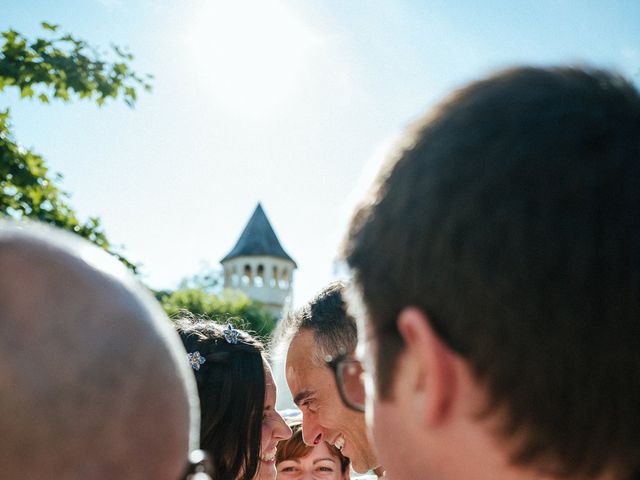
pixel 288 102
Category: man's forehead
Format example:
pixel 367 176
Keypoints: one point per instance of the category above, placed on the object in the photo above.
pixel 302 369
pixel 302 348
pixel 298 360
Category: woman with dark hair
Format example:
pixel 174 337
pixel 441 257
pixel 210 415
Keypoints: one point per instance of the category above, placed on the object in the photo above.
pixel 297 461
pixel 240 427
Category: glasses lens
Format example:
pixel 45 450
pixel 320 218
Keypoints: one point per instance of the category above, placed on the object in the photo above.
pixel 351 374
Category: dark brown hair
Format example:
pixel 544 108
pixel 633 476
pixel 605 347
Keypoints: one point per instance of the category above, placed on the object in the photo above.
pixel 231 388
pixel 294 448
pixel 511 217
pixel 326 316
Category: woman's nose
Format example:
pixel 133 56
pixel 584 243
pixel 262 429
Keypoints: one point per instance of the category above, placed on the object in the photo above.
pixel 282 431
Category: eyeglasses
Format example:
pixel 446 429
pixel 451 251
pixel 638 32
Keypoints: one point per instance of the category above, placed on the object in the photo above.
pixel 349 376
pixel 199 466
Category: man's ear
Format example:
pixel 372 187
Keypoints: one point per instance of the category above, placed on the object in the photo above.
pixel 434 379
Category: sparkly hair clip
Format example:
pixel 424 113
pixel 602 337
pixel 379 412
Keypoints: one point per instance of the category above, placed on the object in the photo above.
pixel 195 360
pixel 231 334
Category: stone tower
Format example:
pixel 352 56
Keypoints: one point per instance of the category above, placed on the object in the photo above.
pixel 259 266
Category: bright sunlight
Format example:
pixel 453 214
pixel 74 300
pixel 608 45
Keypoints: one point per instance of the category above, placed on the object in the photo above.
pixel 248 53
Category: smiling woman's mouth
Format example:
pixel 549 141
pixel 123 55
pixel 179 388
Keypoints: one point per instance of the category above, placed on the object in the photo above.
pixel 269 457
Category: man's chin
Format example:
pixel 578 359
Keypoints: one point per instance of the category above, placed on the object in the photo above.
pixel 357 465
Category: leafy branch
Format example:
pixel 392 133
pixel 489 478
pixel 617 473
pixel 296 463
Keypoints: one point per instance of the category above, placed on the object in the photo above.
pixel 62 67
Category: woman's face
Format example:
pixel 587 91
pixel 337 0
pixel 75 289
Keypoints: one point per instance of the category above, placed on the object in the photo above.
pixel 274 429
pixel 319 464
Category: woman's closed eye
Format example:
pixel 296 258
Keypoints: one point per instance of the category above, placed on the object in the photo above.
pixel 287 467
pixel 324 465
pixel 324 469
pixel 268 412
pixel 269 415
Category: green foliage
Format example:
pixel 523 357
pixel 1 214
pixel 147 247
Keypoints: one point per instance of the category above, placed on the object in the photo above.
pixel 231 306
pixel 28 190
pixel 61 66
pixel 56 67
pixel 206 279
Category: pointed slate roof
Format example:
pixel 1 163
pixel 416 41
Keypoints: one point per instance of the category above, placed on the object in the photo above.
pixel 258 238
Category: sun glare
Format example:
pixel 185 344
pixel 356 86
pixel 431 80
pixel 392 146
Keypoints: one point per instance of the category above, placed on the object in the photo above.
pixel 248 53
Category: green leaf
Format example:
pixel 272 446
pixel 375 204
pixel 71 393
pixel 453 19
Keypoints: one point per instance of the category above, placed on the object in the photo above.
pixel 69 69
pixel 50 26
pixel 26 91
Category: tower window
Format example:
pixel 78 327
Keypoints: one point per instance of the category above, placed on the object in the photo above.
pixel 284 280
pixel 259 278
pixel 247 276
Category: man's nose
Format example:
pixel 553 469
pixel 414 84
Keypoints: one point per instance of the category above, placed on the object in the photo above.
pixel 311 432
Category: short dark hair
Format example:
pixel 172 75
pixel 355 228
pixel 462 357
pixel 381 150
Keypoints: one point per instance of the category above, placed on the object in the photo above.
pixel 326 316
pixel 511 217
pixel 295 448
pixel 231 387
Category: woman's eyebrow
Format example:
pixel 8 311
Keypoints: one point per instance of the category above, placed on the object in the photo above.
pixel 325 459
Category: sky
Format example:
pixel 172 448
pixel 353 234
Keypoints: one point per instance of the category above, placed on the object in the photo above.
pixel 292 103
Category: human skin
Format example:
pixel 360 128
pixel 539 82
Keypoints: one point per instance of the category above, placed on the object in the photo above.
pixel 430 416
pixel 324 415
pixel 274 429
pixel 319 464
pixel 88 364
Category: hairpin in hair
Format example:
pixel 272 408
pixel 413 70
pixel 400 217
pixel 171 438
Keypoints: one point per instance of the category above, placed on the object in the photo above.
pixel 195 360
pixel 231 334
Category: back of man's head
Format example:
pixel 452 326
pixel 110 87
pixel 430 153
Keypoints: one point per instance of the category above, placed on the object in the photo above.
pixel 511 217
pixel 326 317
pixel 92 382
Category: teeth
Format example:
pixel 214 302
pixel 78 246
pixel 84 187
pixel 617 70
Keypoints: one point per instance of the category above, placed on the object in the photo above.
pixel 269 456
pixel 339 443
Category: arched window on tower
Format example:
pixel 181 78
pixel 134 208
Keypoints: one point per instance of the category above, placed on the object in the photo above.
pixel 247 276
pixel 284 279
pixel 235 278
pixel 259 278
pixel 273 281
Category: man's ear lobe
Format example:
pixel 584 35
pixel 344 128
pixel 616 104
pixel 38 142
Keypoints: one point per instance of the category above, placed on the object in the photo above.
pixel 434 385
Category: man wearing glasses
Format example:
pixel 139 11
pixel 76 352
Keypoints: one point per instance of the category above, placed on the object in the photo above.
pixel 498 261
pixel 93 381
pixel 324 379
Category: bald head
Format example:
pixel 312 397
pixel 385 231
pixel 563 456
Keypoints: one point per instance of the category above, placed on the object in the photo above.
pixel 93 382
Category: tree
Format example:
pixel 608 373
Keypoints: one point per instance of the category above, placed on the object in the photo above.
pixel 64 68
pixel 231 306
pixel 207 279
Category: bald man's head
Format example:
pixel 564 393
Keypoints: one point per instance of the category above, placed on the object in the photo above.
pixel 93 383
